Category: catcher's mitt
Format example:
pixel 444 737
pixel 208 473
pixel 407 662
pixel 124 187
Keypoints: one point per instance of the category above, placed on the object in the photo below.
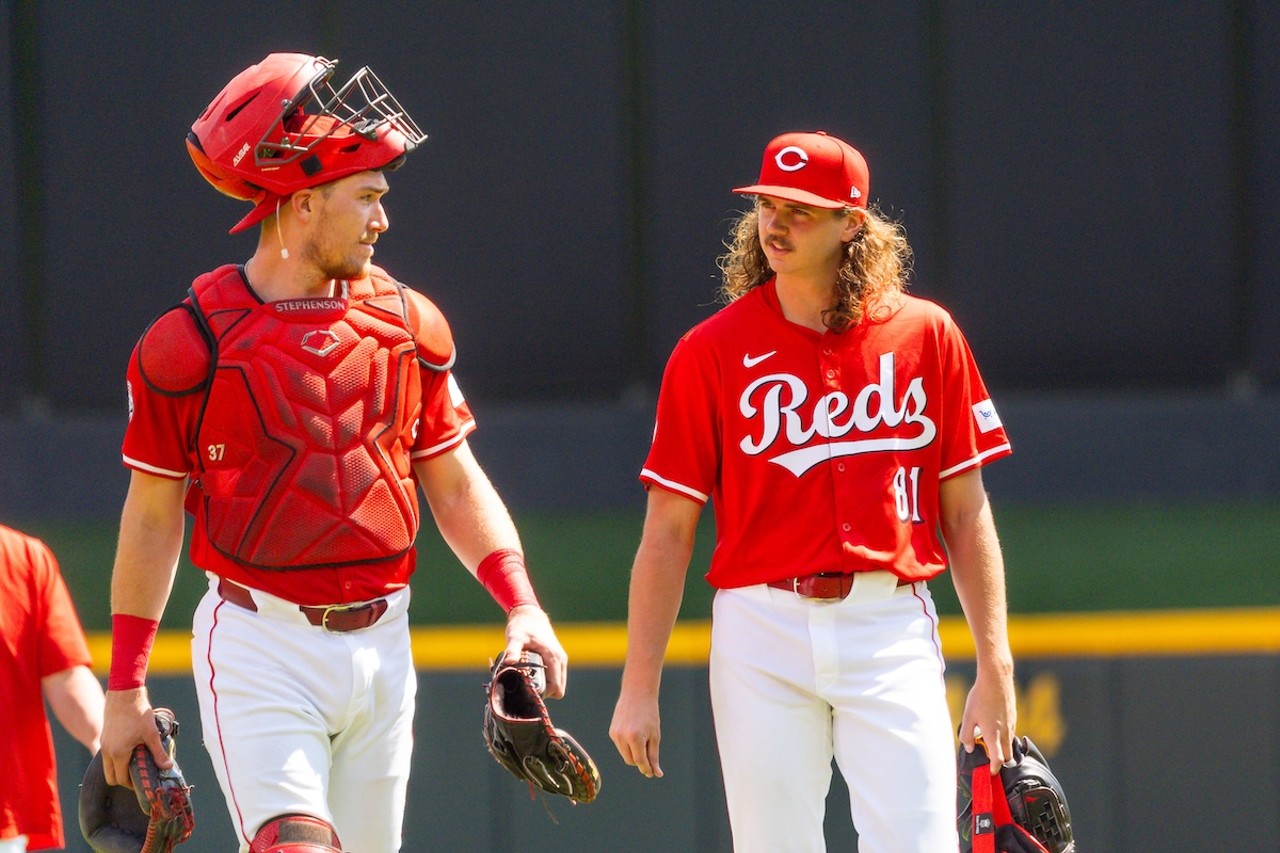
pixel 1022 810
pixel 153 817
pixel 519 733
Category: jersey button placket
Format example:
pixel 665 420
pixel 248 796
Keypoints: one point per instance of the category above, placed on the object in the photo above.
pixel 829 366
pixel 822 628
pixel 829 371
pixel 840 481
pixel 845 489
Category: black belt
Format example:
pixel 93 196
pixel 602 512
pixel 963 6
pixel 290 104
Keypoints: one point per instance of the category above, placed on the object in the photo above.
pixel 336 617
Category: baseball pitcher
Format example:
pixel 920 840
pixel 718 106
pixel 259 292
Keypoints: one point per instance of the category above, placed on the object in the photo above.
pixel 839 427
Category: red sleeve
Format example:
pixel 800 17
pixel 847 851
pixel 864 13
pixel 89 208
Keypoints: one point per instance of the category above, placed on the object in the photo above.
pixel 62 641
pixel 685 454
pixel 972 434
pixel 446 418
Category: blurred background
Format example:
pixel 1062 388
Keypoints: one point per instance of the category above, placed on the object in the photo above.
pixel 1090 188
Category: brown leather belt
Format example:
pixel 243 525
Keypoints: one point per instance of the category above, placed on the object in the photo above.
pixel 338 618
pixel 829 585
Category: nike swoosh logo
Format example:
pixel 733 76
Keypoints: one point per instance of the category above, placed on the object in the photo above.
pixel 753 360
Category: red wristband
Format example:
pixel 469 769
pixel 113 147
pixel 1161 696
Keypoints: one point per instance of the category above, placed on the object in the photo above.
pixel 131 640
pixel 504 575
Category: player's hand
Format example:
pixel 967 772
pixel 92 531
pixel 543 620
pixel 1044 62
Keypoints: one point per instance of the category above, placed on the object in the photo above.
pixel 127 721
pixel 529 627
pixel 990 711
pixel 636 731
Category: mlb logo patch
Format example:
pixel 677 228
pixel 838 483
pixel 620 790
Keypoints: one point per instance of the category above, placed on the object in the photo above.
pixel 985 415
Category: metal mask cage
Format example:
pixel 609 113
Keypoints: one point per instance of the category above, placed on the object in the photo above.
pixel 364 105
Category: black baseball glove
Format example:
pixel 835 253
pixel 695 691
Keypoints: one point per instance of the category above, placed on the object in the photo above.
pixel 152 818
pixel 1022 810
pixel 519 733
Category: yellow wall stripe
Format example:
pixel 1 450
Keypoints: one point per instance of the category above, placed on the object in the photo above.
pixel 603 644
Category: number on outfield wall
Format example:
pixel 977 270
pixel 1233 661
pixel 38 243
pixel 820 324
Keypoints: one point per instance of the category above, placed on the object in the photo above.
pixel 906 491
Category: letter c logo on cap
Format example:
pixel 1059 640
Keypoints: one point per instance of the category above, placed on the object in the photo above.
pixel 791 159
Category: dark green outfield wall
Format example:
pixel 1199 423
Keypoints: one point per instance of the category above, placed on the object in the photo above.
pixel 1066 558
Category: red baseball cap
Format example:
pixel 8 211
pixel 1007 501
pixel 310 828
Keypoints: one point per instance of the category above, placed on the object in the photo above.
pixel 814 169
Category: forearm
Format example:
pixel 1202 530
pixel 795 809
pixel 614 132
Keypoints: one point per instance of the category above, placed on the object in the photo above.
pixel 75 696
pixel 467 509
pixel 475 523
pixel 151 533
pixel 653 604
pixel 477 527
pixel 977 569
pixel 657 587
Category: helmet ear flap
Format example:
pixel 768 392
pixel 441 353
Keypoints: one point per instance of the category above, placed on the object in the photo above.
pixel 229 185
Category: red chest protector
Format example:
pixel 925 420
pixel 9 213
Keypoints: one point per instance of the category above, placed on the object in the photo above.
pixel 304 441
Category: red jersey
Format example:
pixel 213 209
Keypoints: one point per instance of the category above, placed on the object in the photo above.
pixel 297 422
pixel 821 452
pixel 39 636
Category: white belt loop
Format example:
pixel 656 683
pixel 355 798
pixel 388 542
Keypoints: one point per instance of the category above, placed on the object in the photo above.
pixel 872 586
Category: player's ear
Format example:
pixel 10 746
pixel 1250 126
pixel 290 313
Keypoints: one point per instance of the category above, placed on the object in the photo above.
pixel 302 204
pixel 854 219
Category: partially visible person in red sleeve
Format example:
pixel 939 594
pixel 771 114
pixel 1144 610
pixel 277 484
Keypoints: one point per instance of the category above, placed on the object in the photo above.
pixel 43 656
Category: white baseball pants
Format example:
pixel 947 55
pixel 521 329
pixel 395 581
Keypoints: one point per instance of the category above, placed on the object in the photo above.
pixel 300 720
pixel 796 681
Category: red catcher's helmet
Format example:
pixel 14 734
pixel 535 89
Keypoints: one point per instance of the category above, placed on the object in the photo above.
pixel 280 126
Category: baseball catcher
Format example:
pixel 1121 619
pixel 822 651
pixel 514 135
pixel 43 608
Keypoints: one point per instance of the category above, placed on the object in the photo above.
pixel 152 818
pixel 519 733
pixel 1021 810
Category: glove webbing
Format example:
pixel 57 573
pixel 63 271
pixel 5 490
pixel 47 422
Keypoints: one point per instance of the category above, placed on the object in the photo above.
pixel 566 756
pixel 170 823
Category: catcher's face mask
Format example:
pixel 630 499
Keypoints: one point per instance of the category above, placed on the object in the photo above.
pixel 281 126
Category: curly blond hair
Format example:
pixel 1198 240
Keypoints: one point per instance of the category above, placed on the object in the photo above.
pixel 877 266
